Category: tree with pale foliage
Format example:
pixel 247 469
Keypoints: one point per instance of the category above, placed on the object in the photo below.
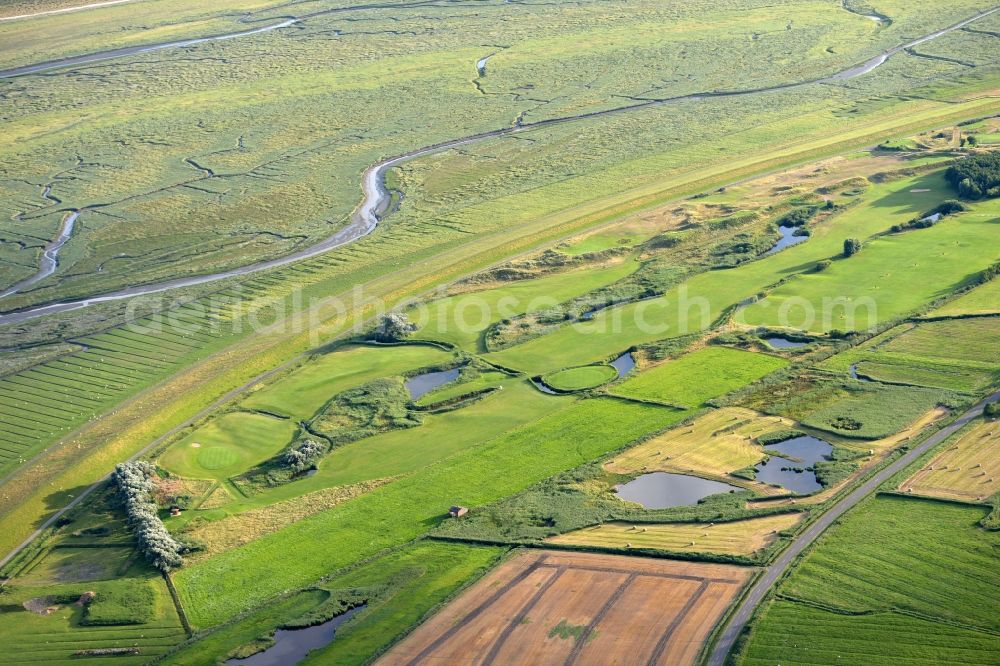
pixel 394 327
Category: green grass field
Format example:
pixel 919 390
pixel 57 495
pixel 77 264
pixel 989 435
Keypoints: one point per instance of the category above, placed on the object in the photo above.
pixel 947 251
pixel 52 639
pixel 910 579
pixel 462 319
pixel 404 451
pixel 577 379
pixel 217 589
pixel 984 299
pixel 228 445
pixel 694 378
pixel 797 634
pixel 250 148
pixel 893 275
pixel 405 585
pixel 958 355
pixel 305 390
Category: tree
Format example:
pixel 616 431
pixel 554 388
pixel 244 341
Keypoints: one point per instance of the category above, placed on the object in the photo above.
pixel 134 481
pixel 394 327
pixel 851 246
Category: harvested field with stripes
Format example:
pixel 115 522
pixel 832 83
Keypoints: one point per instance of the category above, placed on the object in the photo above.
pixel 549 607
pixel 739 537
pixel 967 470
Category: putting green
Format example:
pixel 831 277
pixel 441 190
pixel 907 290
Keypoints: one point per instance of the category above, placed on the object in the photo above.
pixel 217 457
pixel 228 445
pixel 578 379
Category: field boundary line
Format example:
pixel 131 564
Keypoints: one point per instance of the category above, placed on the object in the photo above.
pixel 177 604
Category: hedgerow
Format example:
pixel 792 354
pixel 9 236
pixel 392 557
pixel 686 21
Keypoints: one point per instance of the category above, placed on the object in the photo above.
pixel 134 482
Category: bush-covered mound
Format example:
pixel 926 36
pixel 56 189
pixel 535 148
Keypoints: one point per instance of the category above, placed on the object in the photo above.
pixel 977 176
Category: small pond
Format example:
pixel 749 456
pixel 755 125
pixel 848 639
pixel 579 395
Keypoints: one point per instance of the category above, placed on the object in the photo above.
pixel 292 645
pixel 427 382
pixel 784 343
pixel 540 385
pixel 623 364
pixel 660 490
pixel 790 472
pixel 788 238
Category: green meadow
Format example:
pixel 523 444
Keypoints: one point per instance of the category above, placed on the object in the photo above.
pixel 958 354
pixel 461 320
pixel 217 589
pixel 200 159
pixel 984 299
pixel 921 265
pixel 306 389
pixel 401 452
pixel 908 579
pixel 699 376
pixel 400 588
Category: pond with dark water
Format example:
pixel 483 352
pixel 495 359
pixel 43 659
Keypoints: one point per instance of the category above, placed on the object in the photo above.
pixel 427 382
pixel 660 490
pixel 790 469
pixel 292 645
pixel 623 364
pixel 784 343
pixel 788 238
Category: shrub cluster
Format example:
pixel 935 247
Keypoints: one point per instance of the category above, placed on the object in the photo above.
pixel 931 217
pixel 394 327
pixel 798 216
pixel 304 455
pixel 851 246
pixel 134 482
pixel 977 176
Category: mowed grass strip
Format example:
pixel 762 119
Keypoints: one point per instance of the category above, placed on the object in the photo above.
pixel 740 537
pixel 968 468
pixel 915 555
pixel 892 276
pixel 217 589
pixel 305 390
pixel 794 634
pixel 972 340
pixel 984 299
pixel 699 376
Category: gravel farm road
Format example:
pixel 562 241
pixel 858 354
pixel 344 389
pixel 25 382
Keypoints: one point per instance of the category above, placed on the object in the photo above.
pixel 775 571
